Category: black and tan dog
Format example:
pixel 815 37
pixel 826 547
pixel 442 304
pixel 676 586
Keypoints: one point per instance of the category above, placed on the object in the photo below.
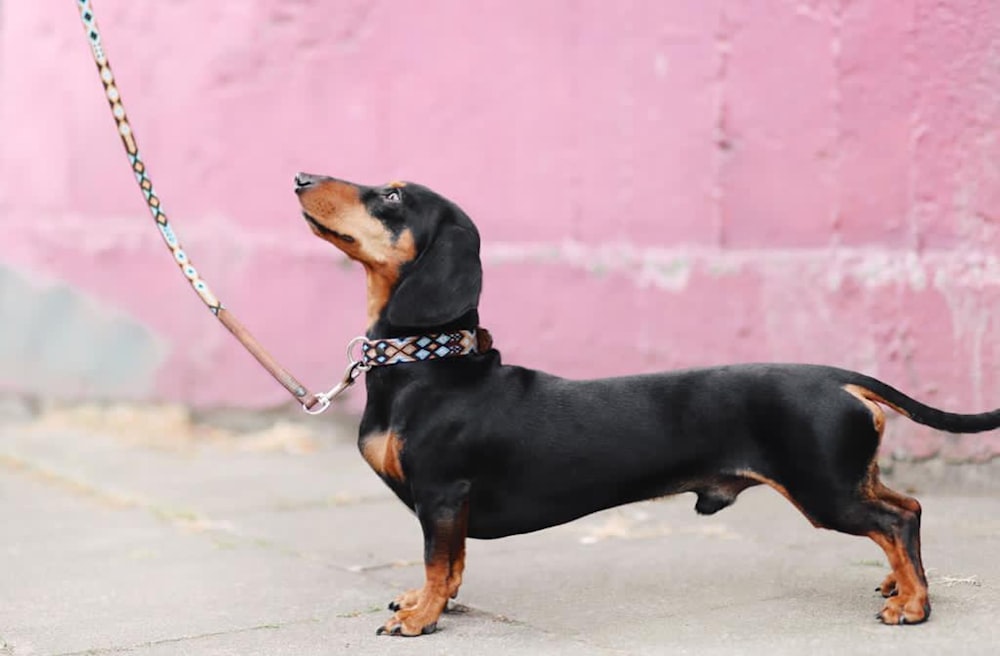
pixel 484 450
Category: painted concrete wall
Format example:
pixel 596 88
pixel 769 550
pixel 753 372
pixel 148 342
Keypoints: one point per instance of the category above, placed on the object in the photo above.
pixel 658 184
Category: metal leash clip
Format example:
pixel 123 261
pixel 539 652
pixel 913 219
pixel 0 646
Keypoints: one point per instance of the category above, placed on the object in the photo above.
pixel 354 369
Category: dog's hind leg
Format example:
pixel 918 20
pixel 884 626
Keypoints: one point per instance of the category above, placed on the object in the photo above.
pixel 892 521
pixel 899 537
pixel 894 524
pixel 888 587
pixel 868 511
pixel 909 507
pixel 846 495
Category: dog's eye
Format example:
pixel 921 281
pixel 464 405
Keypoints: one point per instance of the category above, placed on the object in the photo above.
pixel 393 196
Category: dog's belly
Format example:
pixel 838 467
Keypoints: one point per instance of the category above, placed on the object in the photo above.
pixel 491 524
pixel 520 514
pixel 497 511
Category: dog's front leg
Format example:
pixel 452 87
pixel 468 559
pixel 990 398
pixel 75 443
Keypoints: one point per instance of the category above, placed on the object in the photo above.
pixel 444 517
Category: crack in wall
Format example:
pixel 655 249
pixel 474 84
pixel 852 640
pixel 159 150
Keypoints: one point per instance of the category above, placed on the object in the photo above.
pixel 723 139
pixel 836 159
pixel 916 132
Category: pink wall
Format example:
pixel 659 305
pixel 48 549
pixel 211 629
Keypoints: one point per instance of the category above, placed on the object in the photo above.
pixel 658 184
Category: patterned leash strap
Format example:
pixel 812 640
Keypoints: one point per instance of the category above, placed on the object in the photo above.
pixel 301 394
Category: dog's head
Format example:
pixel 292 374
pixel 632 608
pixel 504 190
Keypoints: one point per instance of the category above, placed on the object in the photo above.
pixel 420 251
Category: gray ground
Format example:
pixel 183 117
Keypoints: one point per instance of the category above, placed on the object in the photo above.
pixel 140 533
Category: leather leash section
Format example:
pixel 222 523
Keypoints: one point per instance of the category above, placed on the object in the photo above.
pixel 308 400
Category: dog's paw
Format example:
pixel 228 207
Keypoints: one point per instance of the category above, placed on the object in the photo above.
pixel 405 601
pixel 406 627
pixel 914 610
pixel 888 587
pixel 416 614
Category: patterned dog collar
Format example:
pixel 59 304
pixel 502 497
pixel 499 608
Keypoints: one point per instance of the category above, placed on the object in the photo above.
pixel 419 348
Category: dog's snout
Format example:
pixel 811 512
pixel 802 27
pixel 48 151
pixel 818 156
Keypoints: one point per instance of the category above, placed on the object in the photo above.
pixel 305 180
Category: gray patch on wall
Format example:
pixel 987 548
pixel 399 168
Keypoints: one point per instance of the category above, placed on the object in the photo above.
pixel 57 342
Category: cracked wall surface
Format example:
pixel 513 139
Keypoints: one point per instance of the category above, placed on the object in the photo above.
pixel 657 184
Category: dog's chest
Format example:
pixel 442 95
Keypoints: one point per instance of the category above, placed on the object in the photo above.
pixel 382 450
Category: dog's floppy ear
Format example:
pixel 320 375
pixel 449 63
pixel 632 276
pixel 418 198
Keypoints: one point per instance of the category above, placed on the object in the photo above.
pixel 443 283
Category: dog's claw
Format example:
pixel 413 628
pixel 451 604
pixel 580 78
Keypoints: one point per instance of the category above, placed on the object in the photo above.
pixel 393 606
pixel 397 630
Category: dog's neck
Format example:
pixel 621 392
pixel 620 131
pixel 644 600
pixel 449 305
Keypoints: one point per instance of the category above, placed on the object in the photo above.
pixel 382 329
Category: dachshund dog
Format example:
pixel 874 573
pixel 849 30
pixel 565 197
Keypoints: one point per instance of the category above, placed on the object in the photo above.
pixel 476 448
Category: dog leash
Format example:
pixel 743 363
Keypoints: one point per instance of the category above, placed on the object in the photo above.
pixel 311 403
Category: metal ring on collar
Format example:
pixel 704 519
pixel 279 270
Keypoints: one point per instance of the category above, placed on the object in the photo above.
pixel 362 365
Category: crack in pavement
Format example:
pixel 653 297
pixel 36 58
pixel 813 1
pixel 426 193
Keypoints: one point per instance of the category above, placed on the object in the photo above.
pixel 189 520
pixel 167 641
pixel 223 533
pixel 461 609
pixel 68 482
pixel 335 501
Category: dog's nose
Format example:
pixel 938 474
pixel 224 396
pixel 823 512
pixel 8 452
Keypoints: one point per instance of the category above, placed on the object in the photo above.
pixel 304 181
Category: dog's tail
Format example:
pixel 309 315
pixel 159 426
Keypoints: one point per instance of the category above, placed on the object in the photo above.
pixel 876 390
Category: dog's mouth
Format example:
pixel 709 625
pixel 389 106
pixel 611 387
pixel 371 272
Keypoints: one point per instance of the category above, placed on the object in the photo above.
pixel 322 229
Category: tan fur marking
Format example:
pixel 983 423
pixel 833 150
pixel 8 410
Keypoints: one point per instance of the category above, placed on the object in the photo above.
pixel 878 415
pixel 396 184
pixel 869 485
pixel 458 551
pixel 895 498
pixel 337 206
pixel 381 451
pixel 382 279
pixel 752 475
pixel 864 393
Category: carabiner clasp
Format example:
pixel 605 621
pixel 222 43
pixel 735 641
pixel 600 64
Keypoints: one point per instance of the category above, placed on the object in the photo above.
pixel 354 369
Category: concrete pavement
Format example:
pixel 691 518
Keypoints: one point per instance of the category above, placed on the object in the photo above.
pixel 137 532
